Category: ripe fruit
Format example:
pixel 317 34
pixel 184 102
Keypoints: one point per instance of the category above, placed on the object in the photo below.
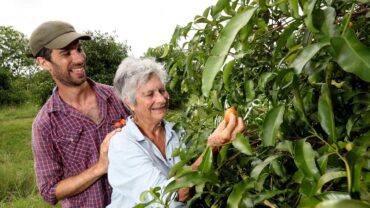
pixel 228 112
pixel 120 123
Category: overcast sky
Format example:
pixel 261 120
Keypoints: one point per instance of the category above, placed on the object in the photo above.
pixel 142 23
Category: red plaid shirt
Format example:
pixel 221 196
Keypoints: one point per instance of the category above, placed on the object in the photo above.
pixel 65 143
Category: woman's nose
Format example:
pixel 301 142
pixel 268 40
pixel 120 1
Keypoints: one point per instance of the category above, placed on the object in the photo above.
pixel 161 97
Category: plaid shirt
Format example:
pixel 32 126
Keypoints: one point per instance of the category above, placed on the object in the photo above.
pixel 65 143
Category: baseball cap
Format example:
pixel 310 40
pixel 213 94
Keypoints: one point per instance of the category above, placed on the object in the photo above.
pixel 54 35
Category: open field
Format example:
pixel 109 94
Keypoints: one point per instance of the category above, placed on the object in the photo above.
pixel 17 178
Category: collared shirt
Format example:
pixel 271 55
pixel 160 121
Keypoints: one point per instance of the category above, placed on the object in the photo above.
pixel 65 143
pixel 136 164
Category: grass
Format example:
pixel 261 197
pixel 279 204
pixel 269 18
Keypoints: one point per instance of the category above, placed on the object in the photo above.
pixel 17 177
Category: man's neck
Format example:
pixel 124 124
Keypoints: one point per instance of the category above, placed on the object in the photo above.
pixel 75 96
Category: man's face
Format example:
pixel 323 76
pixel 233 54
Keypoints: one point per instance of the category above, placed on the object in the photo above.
pixel 67 65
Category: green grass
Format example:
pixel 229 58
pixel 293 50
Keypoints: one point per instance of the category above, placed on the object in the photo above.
pixel 17 177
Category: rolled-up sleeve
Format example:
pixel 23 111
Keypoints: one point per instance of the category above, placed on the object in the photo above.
pixel 47 165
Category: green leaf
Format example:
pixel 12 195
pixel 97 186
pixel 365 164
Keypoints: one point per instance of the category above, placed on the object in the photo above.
pixel 306 55
pixel 271 125
pixel 328 177
pixel 242 144
pixel 222 47
pixel 308 8
pixel 343 203
pixel 216 100
pixel 237 193
pixel 165 51
pixel 356 159
pixel 249 89
pixel 326 115
pixel 264 79
pixel 351 55
pixel 177 167
pixel 304 158
pixel 190 179
pixel 258 169
pixel 309 202
pixel 326 23
pixel 222 154
pixel 228 69
pixel 284 37
pixel 293 6
pixel 220 5
pixel 285 145
pixel 207 162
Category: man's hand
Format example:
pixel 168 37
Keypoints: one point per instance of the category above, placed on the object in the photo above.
pixel 226 132
pixel 76 184
pixel 102 164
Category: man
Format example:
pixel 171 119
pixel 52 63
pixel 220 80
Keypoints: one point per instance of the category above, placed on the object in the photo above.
pixel 71 133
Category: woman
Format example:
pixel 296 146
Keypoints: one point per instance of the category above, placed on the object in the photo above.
pixel 140 156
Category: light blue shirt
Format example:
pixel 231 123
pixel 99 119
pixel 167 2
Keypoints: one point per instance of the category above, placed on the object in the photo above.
pixel 136 164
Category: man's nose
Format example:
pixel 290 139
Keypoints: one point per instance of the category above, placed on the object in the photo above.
pixel 78 56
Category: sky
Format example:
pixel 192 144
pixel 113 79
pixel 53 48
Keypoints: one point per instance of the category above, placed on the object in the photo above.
pixel 139 23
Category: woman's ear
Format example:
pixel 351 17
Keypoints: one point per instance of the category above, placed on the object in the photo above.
pixel 130 106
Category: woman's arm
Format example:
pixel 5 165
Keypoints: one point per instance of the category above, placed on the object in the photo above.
pixel 224 133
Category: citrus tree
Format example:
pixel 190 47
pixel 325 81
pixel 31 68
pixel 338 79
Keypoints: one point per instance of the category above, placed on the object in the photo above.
pixel 298 72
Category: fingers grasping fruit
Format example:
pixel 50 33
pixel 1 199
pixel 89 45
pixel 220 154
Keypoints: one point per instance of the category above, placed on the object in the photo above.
pixel 228 112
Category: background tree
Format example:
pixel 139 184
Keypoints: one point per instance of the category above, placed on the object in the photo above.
pixel 104 54
pixel 298 73
pixel 15 63
pixel 14 52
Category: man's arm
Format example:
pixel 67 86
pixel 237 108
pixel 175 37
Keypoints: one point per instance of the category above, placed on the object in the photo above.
pixel 76 184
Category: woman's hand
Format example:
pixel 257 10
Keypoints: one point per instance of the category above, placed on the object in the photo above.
pixel 226 132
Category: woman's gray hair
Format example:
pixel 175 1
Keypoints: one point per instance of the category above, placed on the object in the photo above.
pixel 133 72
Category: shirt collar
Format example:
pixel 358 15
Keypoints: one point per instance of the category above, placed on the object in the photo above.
pixel 57 104
pixel 133 129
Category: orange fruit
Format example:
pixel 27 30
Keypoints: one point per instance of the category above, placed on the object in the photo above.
pixel 228 112
pixel 120 123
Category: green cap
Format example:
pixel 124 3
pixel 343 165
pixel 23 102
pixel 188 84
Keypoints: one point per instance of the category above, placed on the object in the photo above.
pixel 54 35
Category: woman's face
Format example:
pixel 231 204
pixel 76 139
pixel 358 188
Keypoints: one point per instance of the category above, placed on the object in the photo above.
pixel 151 101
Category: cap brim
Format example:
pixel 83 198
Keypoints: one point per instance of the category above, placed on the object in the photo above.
pixel 65 39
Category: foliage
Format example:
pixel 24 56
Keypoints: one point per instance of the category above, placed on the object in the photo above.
pixel 298 73
pixel 14 52
pixel 176 68
pixel 104 54
pixel 41 87
pixel 14 65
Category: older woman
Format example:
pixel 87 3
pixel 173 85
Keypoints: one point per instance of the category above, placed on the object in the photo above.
pixel 140 156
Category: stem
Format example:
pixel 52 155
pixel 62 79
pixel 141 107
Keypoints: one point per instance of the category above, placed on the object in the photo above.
pixel 348 19
pixel 348 170
pixel 298 98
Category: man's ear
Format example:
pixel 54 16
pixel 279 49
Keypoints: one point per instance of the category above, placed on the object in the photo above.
pixel 43 63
